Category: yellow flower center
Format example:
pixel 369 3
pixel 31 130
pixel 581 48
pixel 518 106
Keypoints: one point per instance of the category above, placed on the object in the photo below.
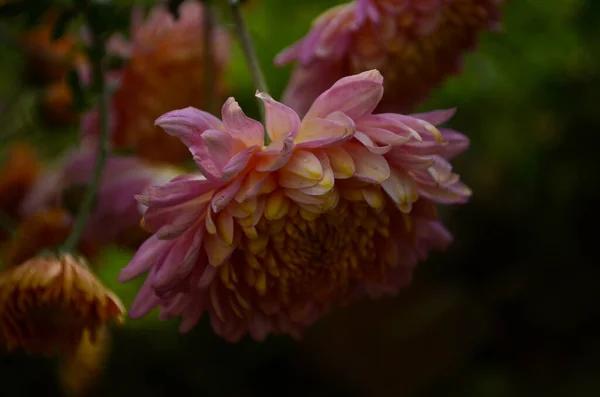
pixel 304 258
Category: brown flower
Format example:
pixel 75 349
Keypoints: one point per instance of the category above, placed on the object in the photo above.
pixel 48 303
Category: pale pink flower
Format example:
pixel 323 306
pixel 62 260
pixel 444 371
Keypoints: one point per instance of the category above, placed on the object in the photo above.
pixel 416 44
pixel 267 238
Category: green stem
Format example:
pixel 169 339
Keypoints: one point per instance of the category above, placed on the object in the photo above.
pixel 102 151
pixel 210 96
pixel 251 59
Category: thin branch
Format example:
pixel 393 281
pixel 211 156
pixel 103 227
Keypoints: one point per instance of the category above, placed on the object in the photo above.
pixel 210 94
pixel 90 194
pixel 250 53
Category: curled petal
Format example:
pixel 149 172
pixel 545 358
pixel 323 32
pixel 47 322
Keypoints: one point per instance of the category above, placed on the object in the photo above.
pixel 240 126
pixel 187 124
pixel 336 129
pixel 356 96
pixel 282 121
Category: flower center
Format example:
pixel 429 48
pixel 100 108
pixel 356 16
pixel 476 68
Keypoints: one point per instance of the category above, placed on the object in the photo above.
pixel 306 257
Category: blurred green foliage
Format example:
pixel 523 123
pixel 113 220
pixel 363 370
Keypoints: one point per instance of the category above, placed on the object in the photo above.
pixel 511 310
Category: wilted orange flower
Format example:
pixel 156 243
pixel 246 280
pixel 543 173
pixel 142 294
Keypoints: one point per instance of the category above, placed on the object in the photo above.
pixel 45 230
pixel 48 303
pixel 80 371
pixel 47 59
pixel 415 44
pixel 17 176
pixel 164 72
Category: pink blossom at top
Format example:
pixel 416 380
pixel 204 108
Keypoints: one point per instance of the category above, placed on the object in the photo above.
pixel 415 44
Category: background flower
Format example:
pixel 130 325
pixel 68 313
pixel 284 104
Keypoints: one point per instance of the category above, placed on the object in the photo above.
pixel 415 44
pixel 164 72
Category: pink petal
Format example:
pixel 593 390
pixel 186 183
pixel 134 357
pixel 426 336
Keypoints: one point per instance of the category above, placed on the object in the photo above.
pixel 356 96
pixel 176 192
pixel 281 120
pixel 369 144
pixel 224 196
pixel 369 167
pixel 436 117
pixel 240 126
pixel 238 162
pixel 319 132
pixel 144 302
pixel 212 152
pixel 341 162
pixel 401 189
pixel 456 143
pixel 187 124
pixel 144 258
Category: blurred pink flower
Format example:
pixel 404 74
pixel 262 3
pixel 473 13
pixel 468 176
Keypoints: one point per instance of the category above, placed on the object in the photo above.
pixel 416 44
pixel 164 71
pixel 268 237
pixel 116 209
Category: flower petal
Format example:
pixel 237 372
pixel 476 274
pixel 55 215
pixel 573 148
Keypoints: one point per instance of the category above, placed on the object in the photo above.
pixel 241 127
pixel 356 96
pixel 320 132
pixel 341 162
pixel 281 120
pixel 187 124
pixel 369 167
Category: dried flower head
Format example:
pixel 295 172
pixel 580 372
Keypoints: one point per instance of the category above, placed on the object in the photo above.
pixel 48 302
pixel 269 237
pixel 164 72
pixel 415 44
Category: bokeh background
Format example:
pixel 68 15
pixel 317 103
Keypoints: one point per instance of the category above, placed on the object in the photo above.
pixel 512 309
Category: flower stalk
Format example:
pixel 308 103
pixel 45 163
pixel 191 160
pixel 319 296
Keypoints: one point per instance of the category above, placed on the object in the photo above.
pixel 209 53
pixel 256 73
pixel 102 151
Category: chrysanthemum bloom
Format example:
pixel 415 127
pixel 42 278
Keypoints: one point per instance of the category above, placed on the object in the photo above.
pixel 336 206
pixel 45 230
pixel 116 210
pixel 415 44
pixel 17 175
pixel 49 60
pixel 164 72
pixel 48 302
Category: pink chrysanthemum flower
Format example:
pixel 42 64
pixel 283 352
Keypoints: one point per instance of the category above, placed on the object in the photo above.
pixel 337 205
pixel 116 210
pixel 415 44
pixel 165 71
